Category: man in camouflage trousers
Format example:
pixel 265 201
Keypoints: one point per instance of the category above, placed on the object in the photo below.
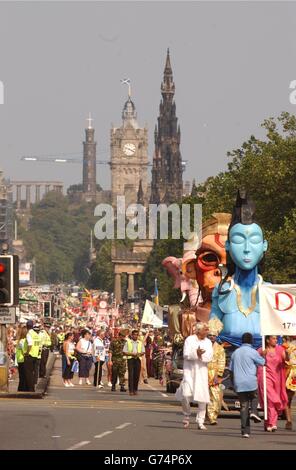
pixel 118 361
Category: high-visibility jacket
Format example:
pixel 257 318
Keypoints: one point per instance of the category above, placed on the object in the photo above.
pixel 130 347
pixel 35 350
pixel 61 337
pixel 19 353
pixel 45 338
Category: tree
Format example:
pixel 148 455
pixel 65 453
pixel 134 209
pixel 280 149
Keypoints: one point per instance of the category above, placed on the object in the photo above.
pixel 267 169
pixel 154 269
pixel 59 238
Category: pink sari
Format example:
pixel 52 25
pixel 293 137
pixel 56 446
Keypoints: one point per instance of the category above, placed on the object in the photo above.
pixel 277 399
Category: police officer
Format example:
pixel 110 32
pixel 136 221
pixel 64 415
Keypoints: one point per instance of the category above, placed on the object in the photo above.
pixel 46 345
pixel 31 353
pixel 61 337
pixel 118 361
pixel 133 350
pixel 37 329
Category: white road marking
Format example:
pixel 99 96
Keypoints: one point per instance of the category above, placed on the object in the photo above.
pixel 80 444
pixel 152 388
pixel 155 390
pixel 99 436
pixel 55 436
pixel 122 426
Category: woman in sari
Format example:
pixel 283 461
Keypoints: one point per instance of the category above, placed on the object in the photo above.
pixel 277 400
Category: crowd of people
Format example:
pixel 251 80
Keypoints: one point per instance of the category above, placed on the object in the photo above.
pixel 138 352
pixel 112 351
pixel 204 365
pixel 111 355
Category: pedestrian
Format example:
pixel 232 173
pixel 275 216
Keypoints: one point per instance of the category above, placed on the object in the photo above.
pixel 243 366
pixel 277 400
pixel 290 346
pixel 148 357
pixel 107 342
pixel 157 357
pixel 133 350
pixel 20 358
pixel 54 339
pixel 37 329
pixel 60 338
pixel 68 359
pixel 46 345
pixel 198 352
pixel 84 356
pixel 216 370
pixel 143 374
pixel 31 353
pixel 117 361
pixel 99 355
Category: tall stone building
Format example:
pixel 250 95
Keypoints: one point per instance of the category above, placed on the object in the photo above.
pixel 167 184
pixel 129 156
pixel 89 181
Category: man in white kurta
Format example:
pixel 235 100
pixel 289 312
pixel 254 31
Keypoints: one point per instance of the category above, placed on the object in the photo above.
pixel 198 352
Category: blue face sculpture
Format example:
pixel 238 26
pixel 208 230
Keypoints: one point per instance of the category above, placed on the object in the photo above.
pixel 246 245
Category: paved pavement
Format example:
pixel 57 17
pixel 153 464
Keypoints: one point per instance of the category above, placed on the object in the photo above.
pixel 86 418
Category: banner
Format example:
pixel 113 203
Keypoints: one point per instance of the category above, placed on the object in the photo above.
pixel 278 309
pixel 152 315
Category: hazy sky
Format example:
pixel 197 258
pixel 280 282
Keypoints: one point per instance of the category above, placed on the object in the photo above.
pixel 232 65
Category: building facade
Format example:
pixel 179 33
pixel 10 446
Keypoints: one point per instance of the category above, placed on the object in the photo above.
pixel 129 157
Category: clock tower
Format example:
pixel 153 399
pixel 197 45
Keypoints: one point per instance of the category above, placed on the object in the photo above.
pixel 129 157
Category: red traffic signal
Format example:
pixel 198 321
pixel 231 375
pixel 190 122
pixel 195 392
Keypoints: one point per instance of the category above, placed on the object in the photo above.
pixel 9 280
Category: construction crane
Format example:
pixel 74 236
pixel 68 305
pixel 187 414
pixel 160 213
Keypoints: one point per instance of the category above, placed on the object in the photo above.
pixel 58 159
pixel 63 159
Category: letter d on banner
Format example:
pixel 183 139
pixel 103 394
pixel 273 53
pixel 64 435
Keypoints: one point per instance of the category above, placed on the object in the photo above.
pixel 281 300
pixel 277 309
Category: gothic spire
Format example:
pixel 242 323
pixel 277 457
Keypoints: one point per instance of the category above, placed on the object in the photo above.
pixel 168 86
pixel 168 67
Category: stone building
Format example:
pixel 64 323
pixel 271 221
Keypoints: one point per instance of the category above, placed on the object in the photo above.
pixel 167 184
pixel 129 156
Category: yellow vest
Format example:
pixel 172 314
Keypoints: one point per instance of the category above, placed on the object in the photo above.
pixel 19 354
pixel 35 350
pixel 61 337
pixel 130 347
pixel 45 338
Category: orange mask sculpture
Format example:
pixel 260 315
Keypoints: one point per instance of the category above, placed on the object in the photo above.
pixel 201 270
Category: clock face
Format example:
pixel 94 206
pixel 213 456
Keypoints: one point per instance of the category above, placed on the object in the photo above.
pixel 129 149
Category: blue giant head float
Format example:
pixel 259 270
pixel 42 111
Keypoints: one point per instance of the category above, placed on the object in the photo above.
pixel 235 299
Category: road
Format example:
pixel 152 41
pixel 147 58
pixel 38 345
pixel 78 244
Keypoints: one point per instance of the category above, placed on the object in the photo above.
pixel 86 418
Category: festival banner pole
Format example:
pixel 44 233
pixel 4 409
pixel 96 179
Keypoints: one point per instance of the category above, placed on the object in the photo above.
pixel 264 382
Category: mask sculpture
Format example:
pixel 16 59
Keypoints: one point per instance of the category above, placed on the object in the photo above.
pixel 197 273
pixel 235 300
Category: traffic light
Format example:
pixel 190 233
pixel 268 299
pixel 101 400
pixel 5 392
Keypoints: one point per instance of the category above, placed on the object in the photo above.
pixel 47 308
pixel 9 280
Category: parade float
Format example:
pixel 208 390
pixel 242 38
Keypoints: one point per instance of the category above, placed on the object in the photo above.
pixel 235 300
pixel 220 278
pixel 196 274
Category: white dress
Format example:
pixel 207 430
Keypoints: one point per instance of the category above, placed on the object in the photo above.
pixel 195 384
